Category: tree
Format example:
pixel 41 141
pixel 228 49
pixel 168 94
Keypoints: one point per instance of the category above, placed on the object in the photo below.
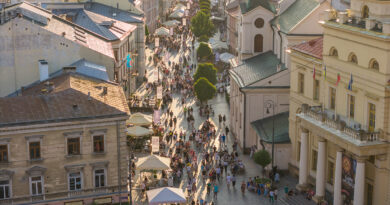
pixel 208 71
pixel 204 51
pixel 204 90
pixel 146 30
pixel 203 38
pixel 204 6
pixel 262 158
pixel 201 24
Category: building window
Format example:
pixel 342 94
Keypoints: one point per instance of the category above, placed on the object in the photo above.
pixel 314 160
pixel 365 12
pixel 258 43
pixel 351 106
pixel 35 150
pixel 98 143
pixel 75 181
pixel 316 87
pixel 3 153
pixel 301 83
pixel 352 58
pixel 371 117
pixel 374 64
pixel 330 172
pixel 370 194
pixel 36 185
pixel 259 23
pixel 333 52
pixel 100 176
pixel 5 189
pixel 332 97
pixel 74 146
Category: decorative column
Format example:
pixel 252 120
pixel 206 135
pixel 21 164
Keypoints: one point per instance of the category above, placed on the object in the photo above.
pixel 303 160
pixel 358 195
pixel 337 179
pixel 321 164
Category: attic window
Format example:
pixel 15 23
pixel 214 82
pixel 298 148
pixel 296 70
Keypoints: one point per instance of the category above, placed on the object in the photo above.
pixel 259 23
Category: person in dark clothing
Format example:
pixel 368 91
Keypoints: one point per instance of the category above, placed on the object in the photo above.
pixel 227 131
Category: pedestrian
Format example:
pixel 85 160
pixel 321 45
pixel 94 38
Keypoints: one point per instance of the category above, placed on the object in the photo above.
pixel 223 138
pixel 224 119
pixel 271 196
pixel 228 180
pixel 219 118
pixel 277 177
pixel 227 130
pixel 243 187
pixel 215 191
pixel 234 180
pixel 208 187
pixel 276 194
pixel 286 191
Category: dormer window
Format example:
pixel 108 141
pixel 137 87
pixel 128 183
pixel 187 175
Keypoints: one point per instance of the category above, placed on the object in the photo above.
pixel 374 64
pixel 333 52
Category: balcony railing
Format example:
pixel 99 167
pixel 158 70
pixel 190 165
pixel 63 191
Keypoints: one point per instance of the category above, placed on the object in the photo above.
pixel 340 123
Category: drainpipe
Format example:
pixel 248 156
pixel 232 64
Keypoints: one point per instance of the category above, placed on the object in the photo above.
pixel 273 37
pixel 119 159
pixel 244 133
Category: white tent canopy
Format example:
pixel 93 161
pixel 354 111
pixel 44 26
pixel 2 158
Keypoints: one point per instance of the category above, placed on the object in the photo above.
pixel 166 195
pixel 138 131
pixel 177 14
pixel 171 23
pixel 179 7
pixel 153 162
pixel 225 57
pixel 162 31
pixel 140 119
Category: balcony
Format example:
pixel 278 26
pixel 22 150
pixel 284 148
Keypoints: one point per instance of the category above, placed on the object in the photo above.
pixel 340 126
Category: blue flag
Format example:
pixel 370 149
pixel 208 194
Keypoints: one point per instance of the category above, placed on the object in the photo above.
pixel 350 83
pixel 128 60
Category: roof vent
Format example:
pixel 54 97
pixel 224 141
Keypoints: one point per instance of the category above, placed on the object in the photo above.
pixel 69 69
pixel 104 91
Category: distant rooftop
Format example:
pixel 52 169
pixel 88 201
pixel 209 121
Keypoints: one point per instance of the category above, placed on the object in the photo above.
pixel 67 97
pixel 248 5
pixel 278 122
pixel 312 47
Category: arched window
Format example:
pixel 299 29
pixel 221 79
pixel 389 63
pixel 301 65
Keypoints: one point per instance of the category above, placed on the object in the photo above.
pixel 258 43
pixel 259 23
pixel 374 64
pixel 365 12
pixel 333 52
pixel 352 58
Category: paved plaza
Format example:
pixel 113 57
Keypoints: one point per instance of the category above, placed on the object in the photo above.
pixel 225 195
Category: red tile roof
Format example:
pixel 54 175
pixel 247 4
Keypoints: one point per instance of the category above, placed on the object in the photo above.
pixel 312 47
pixel 67 97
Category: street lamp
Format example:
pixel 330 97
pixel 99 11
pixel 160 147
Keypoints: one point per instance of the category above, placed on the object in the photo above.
pixel 270 104
pixel 129 182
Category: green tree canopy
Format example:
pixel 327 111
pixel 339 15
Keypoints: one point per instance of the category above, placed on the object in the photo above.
pixel 146 30
pixel 262 158
pixel 204 51
pixel 204 6
pixel 208 71
pixel 201 24
pixel 204 90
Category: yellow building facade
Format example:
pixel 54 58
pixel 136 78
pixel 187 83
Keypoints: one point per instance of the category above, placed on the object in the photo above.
pixel 339 117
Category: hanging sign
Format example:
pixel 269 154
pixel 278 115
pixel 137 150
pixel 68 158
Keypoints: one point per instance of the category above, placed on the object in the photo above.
pixel 155 144
pixel 159 92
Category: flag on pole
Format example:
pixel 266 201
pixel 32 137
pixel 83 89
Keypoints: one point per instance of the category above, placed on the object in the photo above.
pixel 324 72
pixel 350 83
pixel 338 79
pixel 128 60
pixel 314 72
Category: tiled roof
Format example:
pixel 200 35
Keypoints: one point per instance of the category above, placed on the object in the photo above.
pixel 107 27
pixel 312 47
pixel 294 14
pixel 263 128
pixel 70 96
pixel 249 5
pixel 114 13
pixel 64 28
pixel 256 68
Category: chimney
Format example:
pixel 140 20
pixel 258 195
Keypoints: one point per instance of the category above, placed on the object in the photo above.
pixel 69 69
pixel 43 70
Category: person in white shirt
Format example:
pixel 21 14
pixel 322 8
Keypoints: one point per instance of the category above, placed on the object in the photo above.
pixel 228 180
